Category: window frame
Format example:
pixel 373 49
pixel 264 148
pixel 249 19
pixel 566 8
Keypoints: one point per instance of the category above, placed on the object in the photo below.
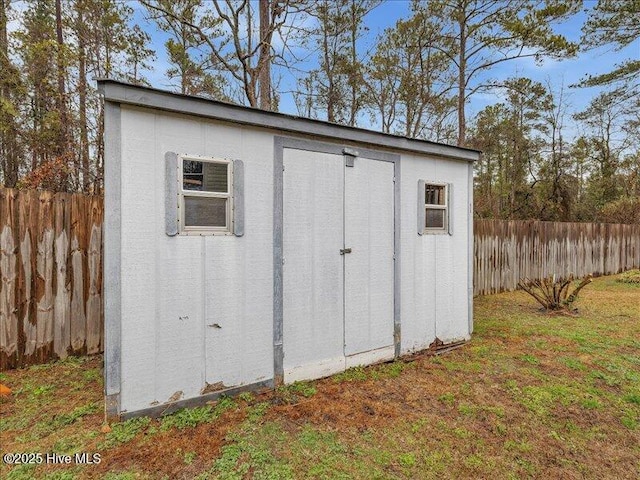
pixel 445 228
pixel 183 229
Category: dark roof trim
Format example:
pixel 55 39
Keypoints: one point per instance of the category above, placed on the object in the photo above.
pixel 124 93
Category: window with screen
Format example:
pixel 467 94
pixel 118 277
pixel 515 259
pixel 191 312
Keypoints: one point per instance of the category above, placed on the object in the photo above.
pixel 205 195
pixel 436 207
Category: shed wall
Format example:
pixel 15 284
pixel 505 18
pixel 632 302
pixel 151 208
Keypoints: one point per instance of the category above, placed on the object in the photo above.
pixel 434 300
pixel 172 288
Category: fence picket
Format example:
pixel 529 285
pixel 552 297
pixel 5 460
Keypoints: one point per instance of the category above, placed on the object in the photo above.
pixel 45 297
pixel 534 249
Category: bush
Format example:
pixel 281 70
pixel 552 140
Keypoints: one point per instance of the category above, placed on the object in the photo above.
pixel 553 293
pixel 623 210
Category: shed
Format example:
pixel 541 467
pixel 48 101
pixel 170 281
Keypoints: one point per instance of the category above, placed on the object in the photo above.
pixel 245 248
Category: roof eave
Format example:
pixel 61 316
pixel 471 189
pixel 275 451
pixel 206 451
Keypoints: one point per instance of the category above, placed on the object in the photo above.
pixel 124 93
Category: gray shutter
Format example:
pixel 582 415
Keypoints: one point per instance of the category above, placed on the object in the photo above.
pixel 450 208
pixel 171 193
pixel 238 198
pixel 421 211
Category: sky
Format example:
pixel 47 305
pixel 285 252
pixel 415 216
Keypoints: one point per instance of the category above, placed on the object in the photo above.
pixel 555 73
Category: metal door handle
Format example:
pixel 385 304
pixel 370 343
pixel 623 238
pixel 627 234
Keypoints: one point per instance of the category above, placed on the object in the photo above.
pixel 345 250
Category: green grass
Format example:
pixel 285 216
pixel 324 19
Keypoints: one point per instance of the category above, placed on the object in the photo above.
pixel 531 396
pixel 192 417
pixel 124 432
pixel 292 393
pixel 632 276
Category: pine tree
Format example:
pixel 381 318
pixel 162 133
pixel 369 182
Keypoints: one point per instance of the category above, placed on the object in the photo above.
pixel 616 23
pixel 477 35
pixel 11 100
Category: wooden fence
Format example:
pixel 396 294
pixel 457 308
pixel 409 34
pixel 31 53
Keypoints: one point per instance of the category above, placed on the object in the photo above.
pixel 51 267
pixel 509 251
pixel 50 276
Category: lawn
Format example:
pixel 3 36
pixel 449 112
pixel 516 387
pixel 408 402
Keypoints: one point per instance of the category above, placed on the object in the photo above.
pixel 531 396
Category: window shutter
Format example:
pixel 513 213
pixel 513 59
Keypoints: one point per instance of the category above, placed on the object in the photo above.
pixel 421 209
pixel 450 208
pixel 238 198
pixel 171 194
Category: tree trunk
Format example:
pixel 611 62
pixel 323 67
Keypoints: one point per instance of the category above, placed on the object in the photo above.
pixel 61 100
pixel 4 64
pixel 264 61
pixel 462 83
pixel 354 67
pixel 9 155
pixel 329 70
pixel 82 98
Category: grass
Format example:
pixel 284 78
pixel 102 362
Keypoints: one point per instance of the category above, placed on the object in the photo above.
pixel 531 396
pixel 632 276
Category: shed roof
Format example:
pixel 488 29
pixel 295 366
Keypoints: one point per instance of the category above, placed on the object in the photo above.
pixel 125 93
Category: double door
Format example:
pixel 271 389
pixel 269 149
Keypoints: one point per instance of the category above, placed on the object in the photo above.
pixel 338 271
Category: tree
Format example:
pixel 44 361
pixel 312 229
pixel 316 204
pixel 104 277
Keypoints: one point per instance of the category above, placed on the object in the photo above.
pixel 623 210
pixel 604 121
pixel 50 114
pixel 11 98
pixel 617 23
pixel 510 135
pixel 383 86
pixel 43 133
pixel 61 98
pixel 477 35
pixel 580 155
pixel 415 76
pixel 194 70
pixel 137 56
pixel 81 32
pixel 555 187
pixel 114 49
pixel 228 29
pixel 336 86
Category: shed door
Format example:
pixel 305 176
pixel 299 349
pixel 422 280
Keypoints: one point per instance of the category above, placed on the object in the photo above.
pixel 337 308
pixel 313 309
pixel 369 268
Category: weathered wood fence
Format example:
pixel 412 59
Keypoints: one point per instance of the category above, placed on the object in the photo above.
pixel 50 276
pixel 509 251
pixel 51 267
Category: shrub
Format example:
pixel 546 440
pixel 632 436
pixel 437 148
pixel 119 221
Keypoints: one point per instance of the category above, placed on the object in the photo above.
pixel 623 210
pixel 553 293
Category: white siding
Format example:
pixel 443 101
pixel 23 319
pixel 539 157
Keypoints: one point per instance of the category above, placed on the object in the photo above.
pixel 434 266
pixel 173 287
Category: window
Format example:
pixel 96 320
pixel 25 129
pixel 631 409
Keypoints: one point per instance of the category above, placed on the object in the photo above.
pixel 436 208
pixel 205 195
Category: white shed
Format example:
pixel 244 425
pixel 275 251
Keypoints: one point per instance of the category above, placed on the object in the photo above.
pixel 246 248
